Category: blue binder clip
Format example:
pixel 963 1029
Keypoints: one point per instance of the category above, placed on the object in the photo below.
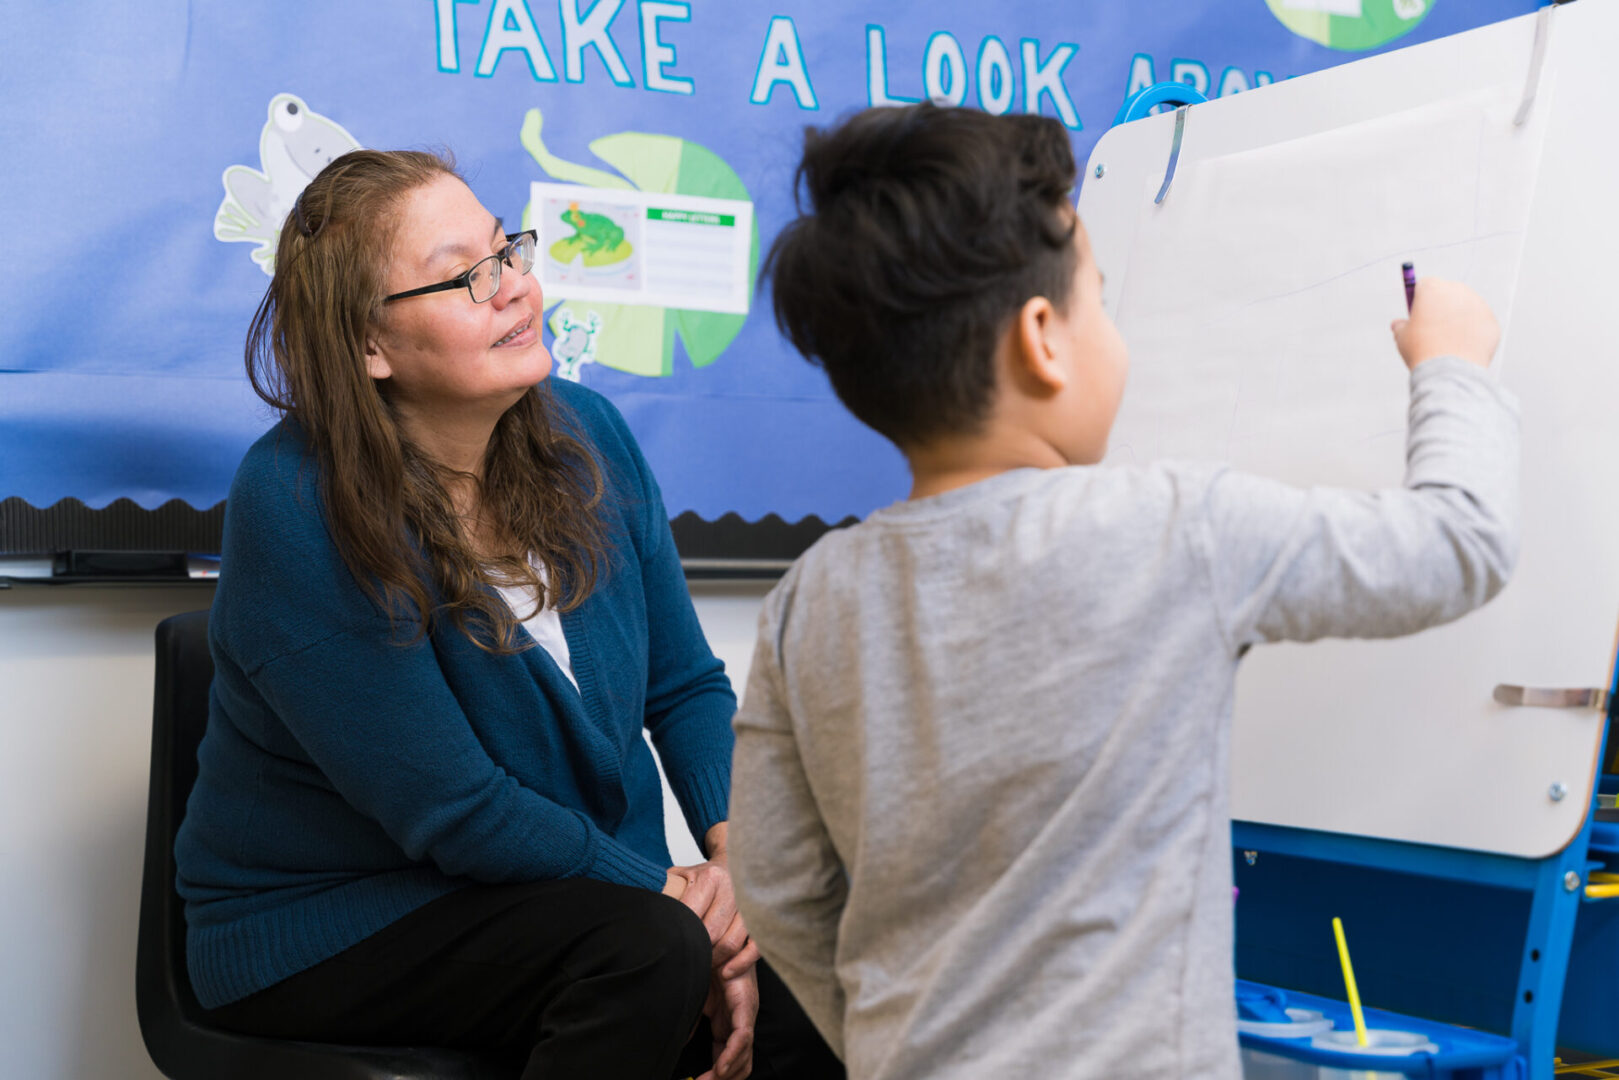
pixel 1143 101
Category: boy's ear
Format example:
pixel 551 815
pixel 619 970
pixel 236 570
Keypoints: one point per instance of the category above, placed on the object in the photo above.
pixel 1036 359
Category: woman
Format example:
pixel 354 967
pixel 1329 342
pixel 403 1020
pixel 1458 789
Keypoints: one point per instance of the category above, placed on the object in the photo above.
pixel 424 811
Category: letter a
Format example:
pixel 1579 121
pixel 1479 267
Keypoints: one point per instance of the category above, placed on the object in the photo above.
pixel 782 60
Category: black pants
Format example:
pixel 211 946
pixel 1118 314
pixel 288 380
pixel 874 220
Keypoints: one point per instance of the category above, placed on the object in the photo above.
pixel 567 978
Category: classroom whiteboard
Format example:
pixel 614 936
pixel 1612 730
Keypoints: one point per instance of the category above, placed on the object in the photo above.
pixel 1256 300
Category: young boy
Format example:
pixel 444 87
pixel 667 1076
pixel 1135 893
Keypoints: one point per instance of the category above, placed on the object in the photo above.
pixel 979 803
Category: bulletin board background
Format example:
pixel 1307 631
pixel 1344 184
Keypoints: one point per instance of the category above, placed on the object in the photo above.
pixel 134 259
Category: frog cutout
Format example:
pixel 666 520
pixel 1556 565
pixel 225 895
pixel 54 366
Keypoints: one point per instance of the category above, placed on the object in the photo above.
pixel 575 344
pixel 296 144
pixel 597 239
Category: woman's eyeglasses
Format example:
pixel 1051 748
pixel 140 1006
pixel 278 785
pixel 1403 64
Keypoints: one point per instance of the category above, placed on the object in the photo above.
pixel 482 281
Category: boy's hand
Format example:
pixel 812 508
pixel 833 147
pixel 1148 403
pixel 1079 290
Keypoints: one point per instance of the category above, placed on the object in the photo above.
pixel 1447 319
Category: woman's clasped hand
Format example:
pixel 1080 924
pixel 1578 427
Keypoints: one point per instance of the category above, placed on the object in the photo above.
pixel 733 996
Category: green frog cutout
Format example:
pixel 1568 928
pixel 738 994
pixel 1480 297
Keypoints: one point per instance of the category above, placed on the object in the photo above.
pixel 595 236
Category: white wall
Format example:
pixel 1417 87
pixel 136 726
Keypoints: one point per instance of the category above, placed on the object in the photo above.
pixel 75 730
pixel 729 614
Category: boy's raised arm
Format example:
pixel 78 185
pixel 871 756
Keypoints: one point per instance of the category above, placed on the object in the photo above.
pixel 1300 564
pixel 790 884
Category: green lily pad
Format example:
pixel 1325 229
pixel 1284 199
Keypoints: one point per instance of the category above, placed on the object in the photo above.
pixel 1351 25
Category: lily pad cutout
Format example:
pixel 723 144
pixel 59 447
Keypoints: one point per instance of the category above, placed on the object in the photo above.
pixel 1351 25
pixel 636 338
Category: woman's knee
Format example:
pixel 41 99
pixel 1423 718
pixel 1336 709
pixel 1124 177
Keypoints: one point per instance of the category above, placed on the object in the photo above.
pixel 676 948
pixel 662 944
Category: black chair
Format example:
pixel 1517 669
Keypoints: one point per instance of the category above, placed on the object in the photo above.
pixel 174 1026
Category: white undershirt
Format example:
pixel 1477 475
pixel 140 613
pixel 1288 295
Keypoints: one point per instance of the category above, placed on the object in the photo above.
pixel 544 625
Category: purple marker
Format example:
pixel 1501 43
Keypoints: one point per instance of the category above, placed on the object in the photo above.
pixel 1410 272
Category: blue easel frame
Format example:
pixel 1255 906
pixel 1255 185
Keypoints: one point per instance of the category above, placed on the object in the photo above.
pixel 1555 884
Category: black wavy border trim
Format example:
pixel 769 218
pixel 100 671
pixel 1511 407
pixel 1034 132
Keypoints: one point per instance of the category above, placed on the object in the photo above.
pixel 121 525
pixel 176 526
pixel 732 537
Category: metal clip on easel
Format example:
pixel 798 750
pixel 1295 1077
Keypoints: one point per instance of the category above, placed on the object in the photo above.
pixel 1143 101
pixel 1546 697
pixel 1537 61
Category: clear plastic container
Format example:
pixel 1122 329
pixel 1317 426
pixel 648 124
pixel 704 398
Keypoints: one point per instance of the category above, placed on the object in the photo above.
pixel 1300 1024
pixel 1380 1041
pixel 1259 1065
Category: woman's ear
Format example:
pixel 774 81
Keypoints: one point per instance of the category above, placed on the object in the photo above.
pixel 376 363
pixel 1036 359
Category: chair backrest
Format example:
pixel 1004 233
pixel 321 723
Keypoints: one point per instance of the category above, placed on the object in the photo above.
pixel 185 672
pixel 173 1024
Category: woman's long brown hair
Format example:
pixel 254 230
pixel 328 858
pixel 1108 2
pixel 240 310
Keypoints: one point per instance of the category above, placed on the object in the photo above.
pixel 387 502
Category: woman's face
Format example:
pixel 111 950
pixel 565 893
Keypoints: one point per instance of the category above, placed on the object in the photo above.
pixel 443 356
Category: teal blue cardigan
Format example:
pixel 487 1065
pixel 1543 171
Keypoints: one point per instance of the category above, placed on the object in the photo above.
pixel 346 779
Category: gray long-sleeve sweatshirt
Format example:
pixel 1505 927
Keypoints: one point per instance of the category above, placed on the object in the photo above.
pixel 979 802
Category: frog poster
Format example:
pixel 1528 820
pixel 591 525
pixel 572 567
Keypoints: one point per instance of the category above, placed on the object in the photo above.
pixel 604 250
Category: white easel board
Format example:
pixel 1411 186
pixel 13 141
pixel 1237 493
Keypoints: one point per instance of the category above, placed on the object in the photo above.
pixel 1256 301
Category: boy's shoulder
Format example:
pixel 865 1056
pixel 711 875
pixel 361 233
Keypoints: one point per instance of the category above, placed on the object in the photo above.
pixel 1058 506
pixel 1103 491
pixel 813 569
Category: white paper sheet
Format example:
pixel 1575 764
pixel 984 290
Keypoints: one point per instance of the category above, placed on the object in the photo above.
pixel 1259 294
pixel 633 247
pixel 1256 304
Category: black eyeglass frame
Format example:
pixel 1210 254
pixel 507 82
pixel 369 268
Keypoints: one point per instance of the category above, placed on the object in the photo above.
pixel 464 280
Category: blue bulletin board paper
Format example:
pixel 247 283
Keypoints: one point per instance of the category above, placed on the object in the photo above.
pixel 155 148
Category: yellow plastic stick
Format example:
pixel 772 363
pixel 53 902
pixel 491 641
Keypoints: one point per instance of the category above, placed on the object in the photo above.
pixel 1349 981
pixel 1602 892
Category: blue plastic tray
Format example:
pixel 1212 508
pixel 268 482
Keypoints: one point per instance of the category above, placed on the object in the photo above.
pixel 1484 1054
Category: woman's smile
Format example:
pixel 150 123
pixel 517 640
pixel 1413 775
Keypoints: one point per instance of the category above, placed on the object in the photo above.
pixel 520 335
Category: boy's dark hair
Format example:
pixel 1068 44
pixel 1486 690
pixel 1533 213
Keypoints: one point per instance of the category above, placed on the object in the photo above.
pixel 928 228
